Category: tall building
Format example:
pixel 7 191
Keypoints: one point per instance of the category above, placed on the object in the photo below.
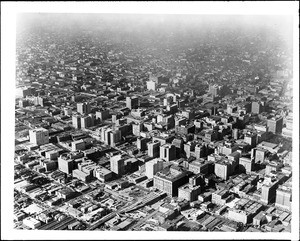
pixel 141 143
pixel 115 137
pixel 65 164
pixel 153 149
pixel 246 164
pixel 87 121
pixel 151 85
pixel 214 90
pixel 256 107
pixel 200 151
pixel 76 121
pixel 189 192
pixel 132 102
pixel 275 124
pixel 39 136
pixel 102 114
pixel 167 152
pixel 223 169
pixel 284 196
pixel 83 108
pixel 117 165
pixel 153 166
pixel 169 180
pixel 251 139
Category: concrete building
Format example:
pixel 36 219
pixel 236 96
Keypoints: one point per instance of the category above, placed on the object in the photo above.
pixel 153 166
pixel 167 152
pixel 132 102
pixel 169 180
pixel 275 124
pixel 117 165
pixel 256 107
pixel 78 145
pixel 83 108
pixel 198 166
pixel 39 136
pixel 103 174
pixel 246 164
pixel 102 114
pixel 151 85
pixel 189 192
pixel 76 121
pixel 153 149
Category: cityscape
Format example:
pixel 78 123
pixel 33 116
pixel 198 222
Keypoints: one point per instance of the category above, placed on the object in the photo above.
pixel 131 122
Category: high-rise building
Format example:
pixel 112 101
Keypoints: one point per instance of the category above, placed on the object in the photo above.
pixel 275 124
pixel 78 145
pixel 153 149
pixel 117 165
pixel 83 108
pixel 141 143
pixel 256 107
pixel 168 152
pixel 39 136
pixel 189 192
pixel 86 121
pixel 76 121
pixel 115 137
pixel 151 85
pixel 132 102
pixel 223 169
pixel 251 139
pixel 65 165
pixel 246 164
pixel 153 166
pixel 169 180
pixel 214 90
pixel 200 151
pixel 102 114
pixel 284 196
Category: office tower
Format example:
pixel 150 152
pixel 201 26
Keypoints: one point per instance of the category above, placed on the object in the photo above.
pixel 251 139
pixel 141 143
pixel 214 90
pixel 78 145
pixel 132 102
pixel 246 164
pixel 231 109
pixel 86 121
pixel 168 152
pixel 137 128
pixel 235 133
pixel 117 165
pixel 67 111
pixel 151 85
pixel 268 192
pixel 169 180
pixel 65 164
pixel 102 114
pixel 223 169
pixel 153 149
pixel 284 196
pixel 189 192
pixel 39 136
pixel 76 121
pixel 275 124
pixel 83 108
pixel 153 166
pixel 200 151
pixel 115 137
pixel 256 107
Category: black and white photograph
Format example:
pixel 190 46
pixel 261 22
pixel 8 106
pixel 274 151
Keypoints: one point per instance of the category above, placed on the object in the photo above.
pixel 175 117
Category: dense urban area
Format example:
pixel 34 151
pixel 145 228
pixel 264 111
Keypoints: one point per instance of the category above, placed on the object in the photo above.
pixel 169 126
